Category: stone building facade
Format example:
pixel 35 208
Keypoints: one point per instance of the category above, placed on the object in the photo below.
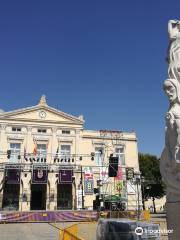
pixel 48 161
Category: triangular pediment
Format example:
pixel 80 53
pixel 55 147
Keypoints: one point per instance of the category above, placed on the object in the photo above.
pixel 41 114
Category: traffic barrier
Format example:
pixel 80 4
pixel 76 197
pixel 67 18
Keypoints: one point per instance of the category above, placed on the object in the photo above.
pixel 145 215
pixel 68 233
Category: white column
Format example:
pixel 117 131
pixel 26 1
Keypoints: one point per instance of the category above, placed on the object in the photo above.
pixel 3 142
pixel 54 142
pixel 25 191
pixel 28 140
pixel 52 194
pixel 77 144
pixel 3 157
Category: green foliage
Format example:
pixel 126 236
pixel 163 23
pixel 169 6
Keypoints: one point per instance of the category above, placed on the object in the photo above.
pixel 152 185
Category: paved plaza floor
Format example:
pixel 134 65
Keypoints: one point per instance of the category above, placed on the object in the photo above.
pixel 45 231
pixel 28 231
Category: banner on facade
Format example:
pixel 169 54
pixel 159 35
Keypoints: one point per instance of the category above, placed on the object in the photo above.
pixel 88 173
pixel 88 181
pixel 39 175
pixel 129 173
pixel 65 176
pixel 119 174
pixel 104 177
pixel 12 176
pixel 88 186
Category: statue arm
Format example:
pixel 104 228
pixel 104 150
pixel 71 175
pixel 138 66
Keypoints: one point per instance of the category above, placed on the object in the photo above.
pixel 177 147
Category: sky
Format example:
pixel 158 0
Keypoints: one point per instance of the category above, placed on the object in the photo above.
pixel 104 59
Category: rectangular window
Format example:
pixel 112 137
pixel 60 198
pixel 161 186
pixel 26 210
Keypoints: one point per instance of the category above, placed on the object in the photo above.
pixel 66 151
pixel 66 131
pixel 40 130
pixel 41 150
pixel 98 156
pixel 15 151
pixel 120 154
pixel 16 129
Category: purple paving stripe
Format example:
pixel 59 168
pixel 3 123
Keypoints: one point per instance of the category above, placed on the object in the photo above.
pixel 49 216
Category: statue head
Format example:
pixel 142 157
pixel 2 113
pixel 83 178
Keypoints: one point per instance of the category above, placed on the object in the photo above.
pixel 42 100
pixel 174 29
pixel 172 90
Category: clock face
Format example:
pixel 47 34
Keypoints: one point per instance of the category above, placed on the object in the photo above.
pixel 42 114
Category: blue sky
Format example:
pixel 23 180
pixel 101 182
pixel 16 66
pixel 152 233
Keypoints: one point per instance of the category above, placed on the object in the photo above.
pixel 104 59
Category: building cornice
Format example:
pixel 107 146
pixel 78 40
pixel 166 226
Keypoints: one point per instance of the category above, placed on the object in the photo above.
pixel 75 120
pixel 31 123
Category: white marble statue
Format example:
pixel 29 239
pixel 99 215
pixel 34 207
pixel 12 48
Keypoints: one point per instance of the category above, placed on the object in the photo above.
pixel 174 49
pixel 170 159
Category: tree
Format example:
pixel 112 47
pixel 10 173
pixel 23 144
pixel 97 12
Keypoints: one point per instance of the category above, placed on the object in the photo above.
pixel 152 186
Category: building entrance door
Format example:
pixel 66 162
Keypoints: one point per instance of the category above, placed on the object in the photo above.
pixel 38 196
pixel 11 197
pixel 64 196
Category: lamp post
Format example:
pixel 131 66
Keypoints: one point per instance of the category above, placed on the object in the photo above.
pixel 143 192
pixel 137 176
pixel 82 188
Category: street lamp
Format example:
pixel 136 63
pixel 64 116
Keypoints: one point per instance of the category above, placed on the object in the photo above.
pixel 81 181
pixel 137 176
pixel 143 193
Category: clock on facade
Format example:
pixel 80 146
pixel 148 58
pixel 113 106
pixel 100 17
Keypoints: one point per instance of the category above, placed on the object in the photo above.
pixel 42 114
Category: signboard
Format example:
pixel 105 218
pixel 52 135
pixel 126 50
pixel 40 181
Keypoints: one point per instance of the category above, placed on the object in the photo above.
pixel 65 176
pixel 39 175
pixel 88 186
pixel 129 173
pixel 12 176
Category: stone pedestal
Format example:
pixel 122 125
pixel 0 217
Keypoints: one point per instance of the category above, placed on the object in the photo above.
pixel 173 220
